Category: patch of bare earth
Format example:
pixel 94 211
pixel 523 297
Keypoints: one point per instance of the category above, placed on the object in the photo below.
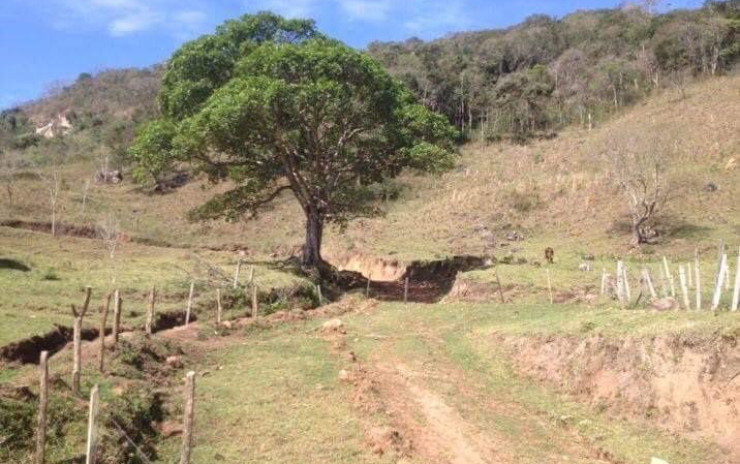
pixel 683 385
pixel 437 430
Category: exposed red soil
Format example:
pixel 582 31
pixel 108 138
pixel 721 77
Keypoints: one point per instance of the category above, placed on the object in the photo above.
pixel 680 384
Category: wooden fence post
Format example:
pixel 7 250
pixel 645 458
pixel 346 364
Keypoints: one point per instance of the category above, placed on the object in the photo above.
pixel 77 341
pixel 237 272
pixel 500 288
pixel 251 274
pixel 406 290
pixel 603 281
pixel 43 406
pixel 620 281
pixel 663 281
pixel 684 288
pixel 190 304
pixel 367 289
pixel 736 292
pixel 728 274
pixel 319 294
pixel 690 275
pixel 116 316
pixel 92 432
pixel 188 418
pixel 219 308
pixel 549 286
pixel 720 253
pixel 669 276
pixel 627 291
pixel 103 320
pixel 649 283
pixel 150 311
pixel 720 280
pixel 255 302
pixel 697 280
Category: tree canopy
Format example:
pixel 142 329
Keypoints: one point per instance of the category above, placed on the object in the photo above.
pixel 271 105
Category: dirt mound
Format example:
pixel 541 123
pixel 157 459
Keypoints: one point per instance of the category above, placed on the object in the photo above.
pixel 680 384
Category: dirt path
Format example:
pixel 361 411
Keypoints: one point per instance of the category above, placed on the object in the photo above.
pixel 443 435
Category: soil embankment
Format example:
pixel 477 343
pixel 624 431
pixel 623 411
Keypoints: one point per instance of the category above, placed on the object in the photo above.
pixel 428 281
pixel 686 385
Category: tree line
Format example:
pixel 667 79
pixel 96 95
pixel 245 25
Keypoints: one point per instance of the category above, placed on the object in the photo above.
pixel 536 77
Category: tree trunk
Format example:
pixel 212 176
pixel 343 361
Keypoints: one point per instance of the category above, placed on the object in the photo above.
pixel 314 235
pixel 638 233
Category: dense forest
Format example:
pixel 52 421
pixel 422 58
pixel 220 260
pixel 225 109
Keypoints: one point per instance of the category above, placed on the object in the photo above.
pixel 545 73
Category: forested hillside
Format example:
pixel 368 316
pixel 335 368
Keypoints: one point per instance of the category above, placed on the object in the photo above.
pixel 528 80
pixel 538 76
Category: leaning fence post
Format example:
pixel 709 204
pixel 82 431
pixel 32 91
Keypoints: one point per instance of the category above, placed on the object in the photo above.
pixel 736 292
pixel 103 320
pixel 92 432
pixel 697 280
pixel 116 315
pixel 649 283
pixel 549 285
pixel 43 406
pixel 728 274
pixel 251 274
pixel 720 253
pixel 627 291
pixel 190 304
pixel 237 272
pixel 663 281
pixel 150 311
pixel 77 341
pixel 720 279
pixel 219 308
pixel 188 419
pixel 500 288
pixel 684 288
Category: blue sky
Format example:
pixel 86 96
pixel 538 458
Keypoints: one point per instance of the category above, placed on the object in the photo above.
pixel 46 41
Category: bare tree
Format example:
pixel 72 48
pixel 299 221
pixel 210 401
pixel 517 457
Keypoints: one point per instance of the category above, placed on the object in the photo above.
pixel 51 176
pixel 109 231
pixel 639 167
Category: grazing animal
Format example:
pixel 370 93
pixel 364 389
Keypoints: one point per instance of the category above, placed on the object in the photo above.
pixel 549 255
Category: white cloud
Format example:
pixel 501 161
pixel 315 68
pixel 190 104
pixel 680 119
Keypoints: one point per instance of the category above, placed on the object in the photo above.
pixel 134 22
pixel 124 17
pixel 366 10
pixel 433 17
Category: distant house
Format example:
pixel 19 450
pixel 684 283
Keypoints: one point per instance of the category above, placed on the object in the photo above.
pixel 56 127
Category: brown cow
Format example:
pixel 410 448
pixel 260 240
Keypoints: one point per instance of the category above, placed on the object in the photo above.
pixel 549 255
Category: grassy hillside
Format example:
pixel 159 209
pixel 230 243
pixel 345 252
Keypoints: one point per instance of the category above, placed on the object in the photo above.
pixel 555 192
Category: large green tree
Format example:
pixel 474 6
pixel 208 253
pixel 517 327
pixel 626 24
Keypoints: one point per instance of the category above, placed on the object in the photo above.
pixel 272 106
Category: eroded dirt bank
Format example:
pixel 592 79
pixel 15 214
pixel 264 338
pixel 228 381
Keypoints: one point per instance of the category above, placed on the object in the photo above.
pixel 686 385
